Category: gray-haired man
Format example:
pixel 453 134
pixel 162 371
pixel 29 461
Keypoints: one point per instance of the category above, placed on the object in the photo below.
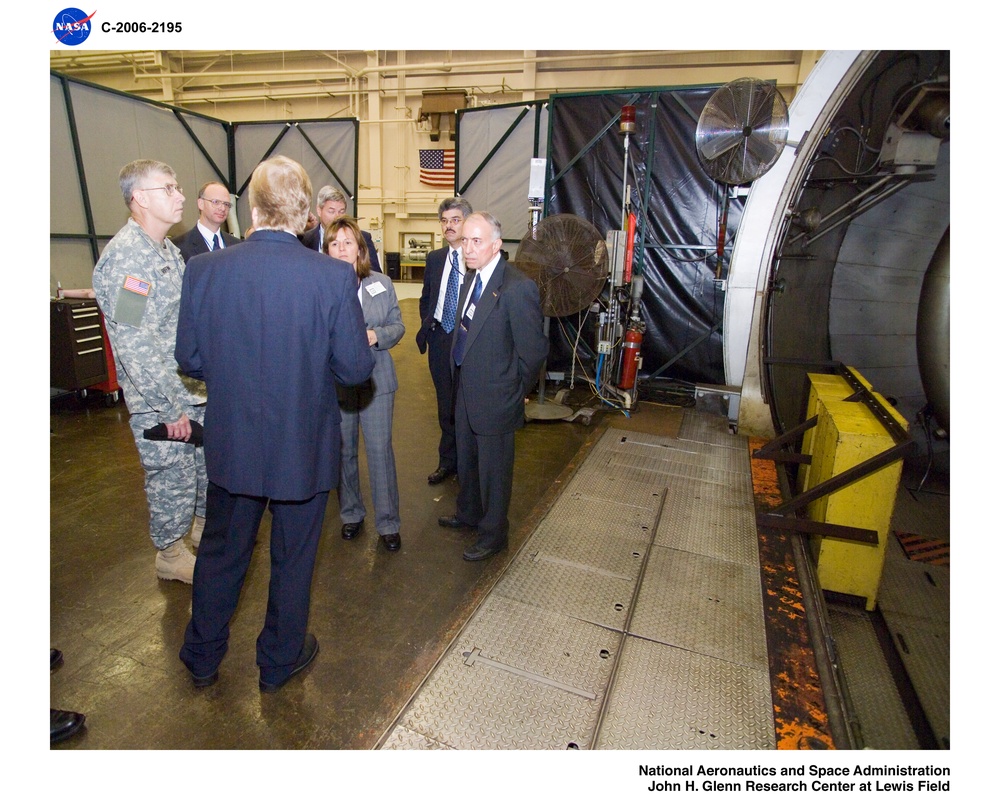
pixel 332 205
pixel 137 283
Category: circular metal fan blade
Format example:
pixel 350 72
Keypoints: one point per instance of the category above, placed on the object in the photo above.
pixel 761 149
pixel 764 106
pixel 567 257
pixel 715 146
pixel 742 130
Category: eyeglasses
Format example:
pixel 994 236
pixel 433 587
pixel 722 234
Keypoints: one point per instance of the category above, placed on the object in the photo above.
pixel 218 203
pixel 446 220
pixel 170 188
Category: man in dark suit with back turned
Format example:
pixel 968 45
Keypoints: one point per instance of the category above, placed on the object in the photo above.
pixel 499 347
pixel 443 276
pixel 332 205
pixel 271 328
pixel 214 203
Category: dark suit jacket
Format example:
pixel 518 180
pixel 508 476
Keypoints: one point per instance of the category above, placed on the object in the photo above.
pixel 504 350
pixel 433 270
pixel 270 345
pixel 311 240
pixel 192 243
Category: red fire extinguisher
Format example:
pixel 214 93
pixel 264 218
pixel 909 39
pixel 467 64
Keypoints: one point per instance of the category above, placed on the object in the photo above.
pixel 630 356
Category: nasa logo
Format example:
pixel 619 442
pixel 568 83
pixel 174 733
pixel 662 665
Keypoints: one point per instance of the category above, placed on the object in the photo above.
pixel 71 26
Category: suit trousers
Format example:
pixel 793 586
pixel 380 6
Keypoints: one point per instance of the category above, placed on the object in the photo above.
pixel 224 554
pixel 373 415
pixel 485 475
pixel 439 361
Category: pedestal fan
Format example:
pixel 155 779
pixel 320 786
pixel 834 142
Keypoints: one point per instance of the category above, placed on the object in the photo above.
pixel 740 135
pixel 568 258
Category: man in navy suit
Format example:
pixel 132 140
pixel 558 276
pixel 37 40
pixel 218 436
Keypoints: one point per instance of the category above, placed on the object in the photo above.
pixel 444 273
pixel 331 205
pixel 271 328
pixel 214 203
pixel 499 346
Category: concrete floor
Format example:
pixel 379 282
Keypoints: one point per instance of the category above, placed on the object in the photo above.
pixel 382 619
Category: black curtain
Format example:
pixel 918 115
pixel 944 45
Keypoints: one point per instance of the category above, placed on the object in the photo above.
pixel 677 206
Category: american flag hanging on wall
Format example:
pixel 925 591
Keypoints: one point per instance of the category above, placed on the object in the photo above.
pixel 437 168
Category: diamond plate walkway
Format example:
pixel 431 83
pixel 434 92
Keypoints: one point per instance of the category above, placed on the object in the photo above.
pixel 630 619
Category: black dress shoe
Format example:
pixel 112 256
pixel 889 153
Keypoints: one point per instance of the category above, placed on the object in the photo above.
pixel 63 724
pixel 392 542
pixel 454 522
pixel 350 530
pixel 55 658
pixel 310 647
pixel 207 680
pixel 439 475
pixel 478 551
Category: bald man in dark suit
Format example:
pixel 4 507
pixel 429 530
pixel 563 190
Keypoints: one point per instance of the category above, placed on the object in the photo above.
pixel 499 346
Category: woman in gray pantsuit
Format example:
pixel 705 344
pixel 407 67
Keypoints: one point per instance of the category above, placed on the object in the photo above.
pixel 368 407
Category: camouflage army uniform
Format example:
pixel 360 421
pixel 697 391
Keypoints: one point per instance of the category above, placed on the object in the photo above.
pixel 155 390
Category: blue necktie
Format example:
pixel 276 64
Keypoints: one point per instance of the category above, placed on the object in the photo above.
pixel 463 329
pixel 216 244
pixel 451 296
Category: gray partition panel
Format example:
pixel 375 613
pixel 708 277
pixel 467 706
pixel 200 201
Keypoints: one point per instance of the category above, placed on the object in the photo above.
pixel 501 185
pixel 71 263
pixel 66 209
pixel 114 129
pixel 335 141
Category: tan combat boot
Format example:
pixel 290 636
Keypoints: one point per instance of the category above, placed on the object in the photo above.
pixel 175 563
pixel 197 528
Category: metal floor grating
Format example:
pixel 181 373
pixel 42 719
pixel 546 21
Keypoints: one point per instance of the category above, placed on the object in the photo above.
pixel 877 705
pixel 914 602
pixel 631 618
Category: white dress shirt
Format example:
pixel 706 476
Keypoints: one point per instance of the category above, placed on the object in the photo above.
pixel 443 288
pixel 484 275
pixel 209 236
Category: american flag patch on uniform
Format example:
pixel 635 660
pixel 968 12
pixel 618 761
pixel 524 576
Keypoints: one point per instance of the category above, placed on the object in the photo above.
pixel 136 285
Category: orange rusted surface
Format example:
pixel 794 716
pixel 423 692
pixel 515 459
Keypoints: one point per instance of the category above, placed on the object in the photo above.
pixel 766 490
pixel 800 717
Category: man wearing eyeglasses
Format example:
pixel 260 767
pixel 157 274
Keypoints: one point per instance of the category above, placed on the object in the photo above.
pixel 444 274
pixel 207 235
pixel 137 283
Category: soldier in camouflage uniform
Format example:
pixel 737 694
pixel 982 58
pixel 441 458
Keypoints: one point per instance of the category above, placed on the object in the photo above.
pixel 137 283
